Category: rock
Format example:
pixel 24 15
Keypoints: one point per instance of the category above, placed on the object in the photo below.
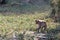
pixel 41 36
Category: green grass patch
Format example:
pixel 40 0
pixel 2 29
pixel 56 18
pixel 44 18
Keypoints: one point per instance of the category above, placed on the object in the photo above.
pixel 12 23
pixel 22 22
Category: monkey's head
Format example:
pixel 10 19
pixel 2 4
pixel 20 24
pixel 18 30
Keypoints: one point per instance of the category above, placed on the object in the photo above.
pixel 37 21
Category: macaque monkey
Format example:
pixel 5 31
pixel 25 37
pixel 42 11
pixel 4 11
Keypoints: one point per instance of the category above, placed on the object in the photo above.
pixel 41 25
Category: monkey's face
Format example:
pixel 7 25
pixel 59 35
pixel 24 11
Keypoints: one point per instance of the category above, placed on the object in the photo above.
pixel 37 21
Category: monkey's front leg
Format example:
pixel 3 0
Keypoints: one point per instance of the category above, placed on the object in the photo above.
pixel 38 28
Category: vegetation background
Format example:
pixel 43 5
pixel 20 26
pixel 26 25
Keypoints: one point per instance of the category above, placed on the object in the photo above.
pixel 20 15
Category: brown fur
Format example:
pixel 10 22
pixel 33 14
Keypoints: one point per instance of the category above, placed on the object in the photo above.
pixel 41 25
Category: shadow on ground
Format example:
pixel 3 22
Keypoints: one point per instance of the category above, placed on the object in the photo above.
pixel 55 32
